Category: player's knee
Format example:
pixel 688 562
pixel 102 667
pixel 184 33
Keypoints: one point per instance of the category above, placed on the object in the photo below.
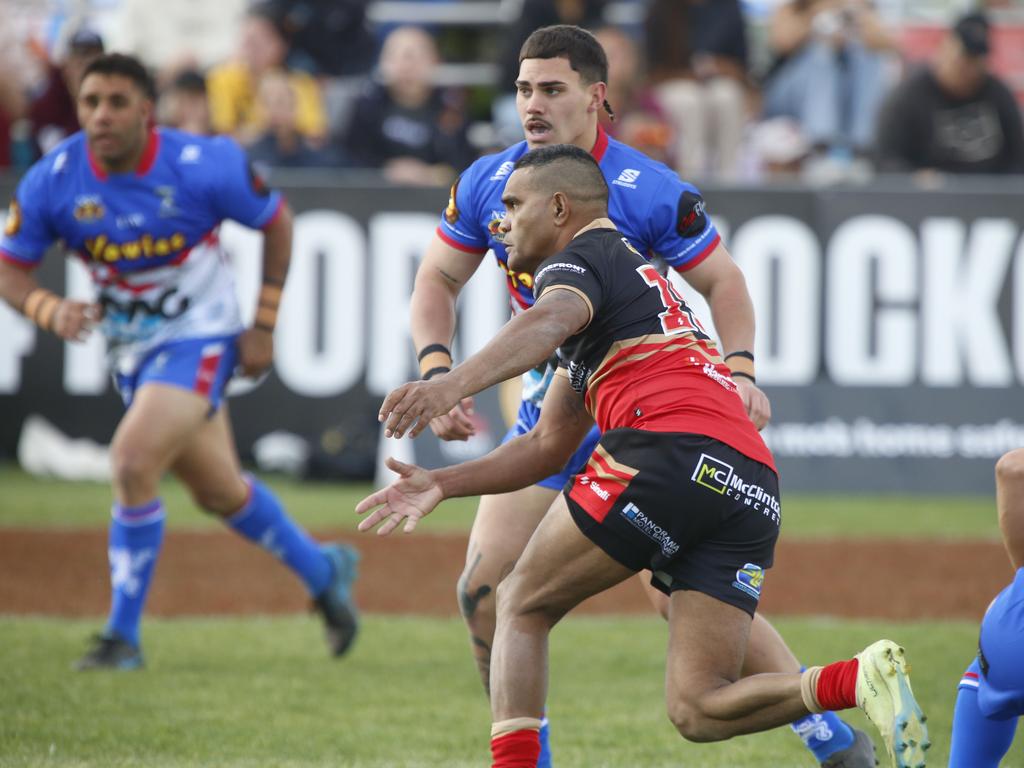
pixel 217 501
pixel 518 599
pixel 132 469
pixel 1010 467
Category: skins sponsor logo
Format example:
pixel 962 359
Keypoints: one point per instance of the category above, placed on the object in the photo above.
pixel 13 225
pixel 750 579
pixel 650 529
pixel 627 178
pixel 503 170
pixel 720 477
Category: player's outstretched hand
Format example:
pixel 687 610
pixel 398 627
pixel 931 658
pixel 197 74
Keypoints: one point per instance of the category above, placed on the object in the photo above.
pixel 74 320
pixel 411 407
pixel 755 401
pixel 411 497
pixel 255 351
pixel 456 424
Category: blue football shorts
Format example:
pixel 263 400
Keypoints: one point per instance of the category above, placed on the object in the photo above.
pixel 526 420
pixel 1001 683
pixel 203 366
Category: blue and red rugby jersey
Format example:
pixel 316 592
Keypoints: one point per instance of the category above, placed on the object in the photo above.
pixel 656 210
pixel 148 237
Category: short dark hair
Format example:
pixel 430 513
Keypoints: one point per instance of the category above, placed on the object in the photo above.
pixel 576 44
pixel 570 169
pixel 125 66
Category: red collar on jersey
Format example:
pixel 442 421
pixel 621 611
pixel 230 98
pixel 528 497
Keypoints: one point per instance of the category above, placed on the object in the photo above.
pixel 600 145
pixel 145 161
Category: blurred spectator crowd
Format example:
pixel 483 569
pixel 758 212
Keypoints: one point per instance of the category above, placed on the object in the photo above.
pixel 721 90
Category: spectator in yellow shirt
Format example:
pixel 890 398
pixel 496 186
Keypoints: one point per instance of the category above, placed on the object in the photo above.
pixel 234 85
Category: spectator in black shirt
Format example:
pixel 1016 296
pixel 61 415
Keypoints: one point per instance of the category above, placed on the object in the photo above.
pixel 402 123
pixel 955 115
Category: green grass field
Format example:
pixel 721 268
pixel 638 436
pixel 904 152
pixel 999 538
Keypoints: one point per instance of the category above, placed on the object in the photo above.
pixel 261 692
pixel 27 501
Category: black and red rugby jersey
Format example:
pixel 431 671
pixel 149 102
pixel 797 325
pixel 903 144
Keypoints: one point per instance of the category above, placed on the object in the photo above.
pixel 643 361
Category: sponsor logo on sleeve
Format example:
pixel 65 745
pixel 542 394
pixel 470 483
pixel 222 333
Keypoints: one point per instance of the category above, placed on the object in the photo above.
pixel 750 579
pixel 721 478
pixel 190 154
pixel 451 213
pixel 692 217
pixel 256 181
pixel 13 223
pixel 627 178
pixel 503 170
pixel 560 266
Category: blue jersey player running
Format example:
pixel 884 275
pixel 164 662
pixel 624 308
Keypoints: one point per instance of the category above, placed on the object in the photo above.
pixel 140 207
pixel 559 93
pixel 991 696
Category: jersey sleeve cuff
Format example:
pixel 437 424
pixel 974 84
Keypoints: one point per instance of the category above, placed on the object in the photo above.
pixel 273 215
pixel 708 250
pixel 449 240
pixel 12 258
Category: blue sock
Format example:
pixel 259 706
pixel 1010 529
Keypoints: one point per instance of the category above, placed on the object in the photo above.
pixel 824 734
pixel 544 760
pixel 977 742
pixel 136 534
pixel 263 520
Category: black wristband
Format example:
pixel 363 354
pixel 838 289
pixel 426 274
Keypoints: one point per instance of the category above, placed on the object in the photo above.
pixel 741 353
pixel 741 374
pixel 264 327
pixel 432 348
pixel 277 283
pixel 435 371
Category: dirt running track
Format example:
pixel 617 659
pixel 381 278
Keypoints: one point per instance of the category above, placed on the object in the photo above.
pixel 64 573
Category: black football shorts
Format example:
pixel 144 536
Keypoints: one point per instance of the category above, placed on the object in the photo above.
pixel 697 513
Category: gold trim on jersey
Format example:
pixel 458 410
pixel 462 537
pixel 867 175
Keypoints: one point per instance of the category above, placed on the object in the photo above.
pixel 602 223
pixel 578 292
pixel 673 343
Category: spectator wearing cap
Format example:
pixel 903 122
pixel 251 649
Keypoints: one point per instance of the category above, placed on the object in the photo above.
pixel 53 113
pixel 233 87
pixel 954 115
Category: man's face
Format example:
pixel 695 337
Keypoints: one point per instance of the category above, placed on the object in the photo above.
pixel 554 105
pixel 529 226
pixel 114 113
pixel 960 73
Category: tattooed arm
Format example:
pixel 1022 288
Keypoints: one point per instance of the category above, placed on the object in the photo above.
pixel 441 276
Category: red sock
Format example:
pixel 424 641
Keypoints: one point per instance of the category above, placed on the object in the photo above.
pixel 837 685
pixel 518 749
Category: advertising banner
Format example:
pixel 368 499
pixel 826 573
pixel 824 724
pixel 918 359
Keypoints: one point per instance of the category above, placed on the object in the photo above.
pixel 890 332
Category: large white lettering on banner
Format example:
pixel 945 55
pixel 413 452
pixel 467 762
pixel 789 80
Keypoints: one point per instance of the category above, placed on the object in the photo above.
pixel 890 328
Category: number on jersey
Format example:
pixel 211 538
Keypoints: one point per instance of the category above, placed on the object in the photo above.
pixel 677 317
